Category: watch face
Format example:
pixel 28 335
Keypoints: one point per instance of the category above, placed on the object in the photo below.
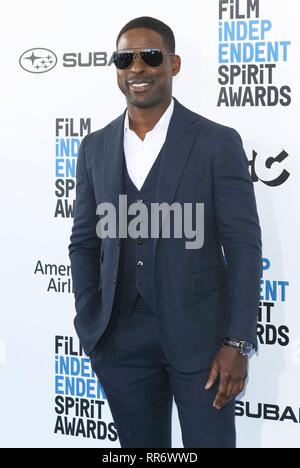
pixel 246 348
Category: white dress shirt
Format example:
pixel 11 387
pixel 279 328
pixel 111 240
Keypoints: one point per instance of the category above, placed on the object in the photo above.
pixel 140 155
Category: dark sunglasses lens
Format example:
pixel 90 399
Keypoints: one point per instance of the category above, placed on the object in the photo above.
pixel 153 58
pixel 122 60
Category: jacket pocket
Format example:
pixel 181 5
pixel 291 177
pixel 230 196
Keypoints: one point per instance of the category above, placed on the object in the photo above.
pixel 209 279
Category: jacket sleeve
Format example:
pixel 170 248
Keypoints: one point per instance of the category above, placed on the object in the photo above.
pixel 84 247
pixel 240 234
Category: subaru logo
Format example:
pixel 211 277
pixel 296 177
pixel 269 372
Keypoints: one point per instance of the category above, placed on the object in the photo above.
pixel 38 60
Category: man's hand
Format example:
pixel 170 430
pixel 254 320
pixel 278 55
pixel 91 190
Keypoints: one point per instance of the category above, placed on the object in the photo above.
pixel 233 369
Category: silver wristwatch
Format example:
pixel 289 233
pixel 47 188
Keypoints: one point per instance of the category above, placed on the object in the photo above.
pixel 244 347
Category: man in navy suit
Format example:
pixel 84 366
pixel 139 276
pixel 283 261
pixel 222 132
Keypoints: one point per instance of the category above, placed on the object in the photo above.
pixel 160 320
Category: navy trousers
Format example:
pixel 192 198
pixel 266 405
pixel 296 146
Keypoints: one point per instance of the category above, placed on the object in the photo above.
pixel 140 385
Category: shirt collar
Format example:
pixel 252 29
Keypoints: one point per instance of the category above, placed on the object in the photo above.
pixel 163 122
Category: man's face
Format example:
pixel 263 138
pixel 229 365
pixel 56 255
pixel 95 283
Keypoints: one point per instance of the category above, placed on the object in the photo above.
pixel 146 86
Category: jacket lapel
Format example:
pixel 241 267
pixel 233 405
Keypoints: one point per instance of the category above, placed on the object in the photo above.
pixel 181 133
pixel 114 162
pixel 184 126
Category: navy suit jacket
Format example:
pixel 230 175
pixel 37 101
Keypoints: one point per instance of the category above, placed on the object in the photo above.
pixel 200 298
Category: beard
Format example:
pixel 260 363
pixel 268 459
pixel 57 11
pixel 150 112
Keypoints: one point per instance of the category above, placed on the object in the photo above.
pixel 144 100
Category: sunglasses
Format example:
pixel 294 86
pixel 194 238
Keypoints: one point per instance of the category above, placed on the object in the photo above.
pixel 151 57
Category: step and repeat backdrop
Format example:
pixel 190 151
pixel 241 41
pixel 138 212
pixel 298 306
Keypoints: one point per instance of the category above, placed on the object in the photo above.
pixel 240 67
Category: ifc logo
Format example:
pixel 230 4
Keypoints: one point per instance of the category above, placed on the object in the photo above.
pixel 38 60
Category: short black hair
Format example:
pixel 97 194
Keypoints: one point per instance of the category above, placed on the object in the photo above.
pixel 155 25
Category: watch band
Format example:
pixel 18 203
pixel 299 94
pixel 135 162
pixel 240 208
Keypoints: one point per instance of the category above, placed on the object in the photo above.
pixel 244 347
